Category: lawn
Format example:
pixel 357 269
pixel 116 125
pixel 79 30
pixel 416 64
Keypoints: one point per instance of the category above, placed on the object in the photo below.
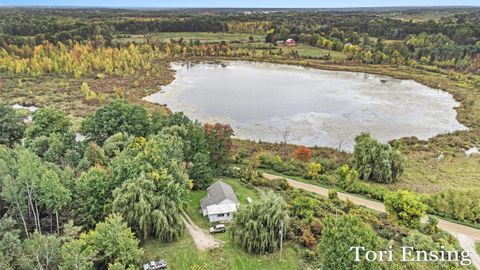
pixel 182 254
pixel 201 36
pixel 241 190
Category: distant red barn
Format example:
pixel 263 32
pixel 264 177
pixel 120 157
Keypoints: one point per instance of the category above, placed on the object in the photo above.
pixel 290 42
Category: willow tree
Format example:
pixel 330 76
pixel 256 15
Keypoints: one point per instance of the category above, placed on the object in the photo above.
pixel 147 206
pixel 375 161
pixel 256 226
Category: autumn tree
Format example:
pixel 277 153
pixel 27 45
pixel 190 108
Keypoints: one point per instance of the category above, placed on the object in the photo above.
pixel 303 153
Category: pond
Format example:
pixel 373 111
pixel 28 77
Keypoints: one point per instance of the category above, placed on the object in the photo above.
pixel 273 102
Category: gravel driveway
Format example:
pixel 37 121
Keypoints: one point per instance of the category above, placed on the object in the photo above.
pixel 202 239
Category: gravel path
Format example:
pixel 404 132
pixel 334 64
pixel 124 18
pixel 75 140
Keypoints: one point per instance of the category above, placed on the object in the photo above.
pixel 465 235
pixel 202 239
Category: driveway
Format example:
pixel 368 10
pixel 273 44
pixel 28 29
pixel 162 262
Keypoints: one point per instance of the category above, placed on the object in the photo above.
pixel 202 239
pixel 466 235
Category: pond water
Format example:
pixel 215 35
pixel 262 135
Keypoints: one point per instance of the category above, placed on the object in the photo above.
pixel 264 101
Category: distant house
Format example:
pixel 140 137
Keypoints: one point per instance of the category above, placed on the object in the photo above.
pixel 290 42
pixel 220 202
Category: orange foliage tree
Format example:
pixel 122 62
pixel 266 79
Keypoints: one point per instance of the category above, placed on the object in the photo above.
pixel 303 153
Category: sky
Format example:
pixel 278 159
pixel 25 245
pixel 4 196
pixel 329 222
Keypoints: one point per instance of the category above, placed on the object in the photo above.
pixel 242 3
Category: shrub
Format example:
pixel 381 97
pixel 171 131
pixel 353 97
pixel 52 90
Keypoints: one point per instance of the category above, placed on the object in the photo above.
pixel 314 170
pixel 277 183
pixel 405 206
pixel 303 153
pixel 292 168
pixel 332 194
pixel 339 235
pixel 307 239
pixel 461 205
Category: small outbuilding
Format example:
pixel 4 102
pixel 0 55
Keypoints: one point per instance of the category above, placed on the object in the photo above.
pixel 220 202
pixel 290 42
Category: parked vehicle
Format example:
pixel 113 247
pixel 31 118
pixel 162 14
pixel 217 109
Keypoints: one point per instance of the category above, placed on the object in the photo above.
pixel 219 228
pixel 161 264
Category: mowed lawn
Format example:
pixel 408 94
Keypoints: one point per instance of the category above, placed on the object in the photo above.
pixel 201 36
pixel 183 254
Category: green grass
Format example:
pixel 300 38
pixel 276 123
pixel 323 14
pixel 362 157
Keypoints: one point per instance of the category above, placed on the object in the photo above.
pixel 193 207
pixel 477 246
pixel 311 51
pixel 183 254
pixel 201 36
pixel 424 173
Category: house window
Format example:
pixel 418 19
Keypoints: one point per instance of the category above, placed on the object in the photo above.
pixel 220 215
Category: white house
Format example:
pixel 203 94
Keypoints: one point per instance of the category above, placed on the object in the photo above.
pixel 220 202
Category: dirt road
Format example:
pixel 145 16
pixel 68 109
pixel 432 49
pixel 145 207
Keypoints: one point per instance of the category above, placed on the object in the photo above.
pixel 202 239
pixel 465 235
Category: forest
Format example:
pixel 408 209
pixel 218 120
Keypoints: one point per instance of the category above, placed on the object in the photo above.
pixel 92 176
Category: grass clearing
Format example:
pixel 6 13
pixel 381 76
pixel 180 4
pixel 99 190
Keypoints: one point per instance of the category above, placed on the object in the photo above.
pixel 208 37
pixel 310 51
pixel 183 255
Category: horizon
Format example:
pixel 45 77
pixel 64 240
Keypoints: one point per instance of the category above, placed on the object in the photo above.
pixel 185 4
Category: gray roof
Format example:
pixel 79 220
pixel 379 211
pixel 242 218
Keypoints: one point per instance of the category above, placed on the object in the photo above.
pixel 218 192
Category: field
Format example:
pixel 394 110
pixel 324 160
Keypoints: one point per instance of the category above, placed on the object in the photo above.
pixel 200 36
pixel 184 255
pixel 315 52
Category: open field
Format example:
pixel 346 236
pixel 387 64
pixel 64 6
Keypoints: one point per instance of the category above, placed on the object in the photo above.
pixel 200 36
pixel 305 50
